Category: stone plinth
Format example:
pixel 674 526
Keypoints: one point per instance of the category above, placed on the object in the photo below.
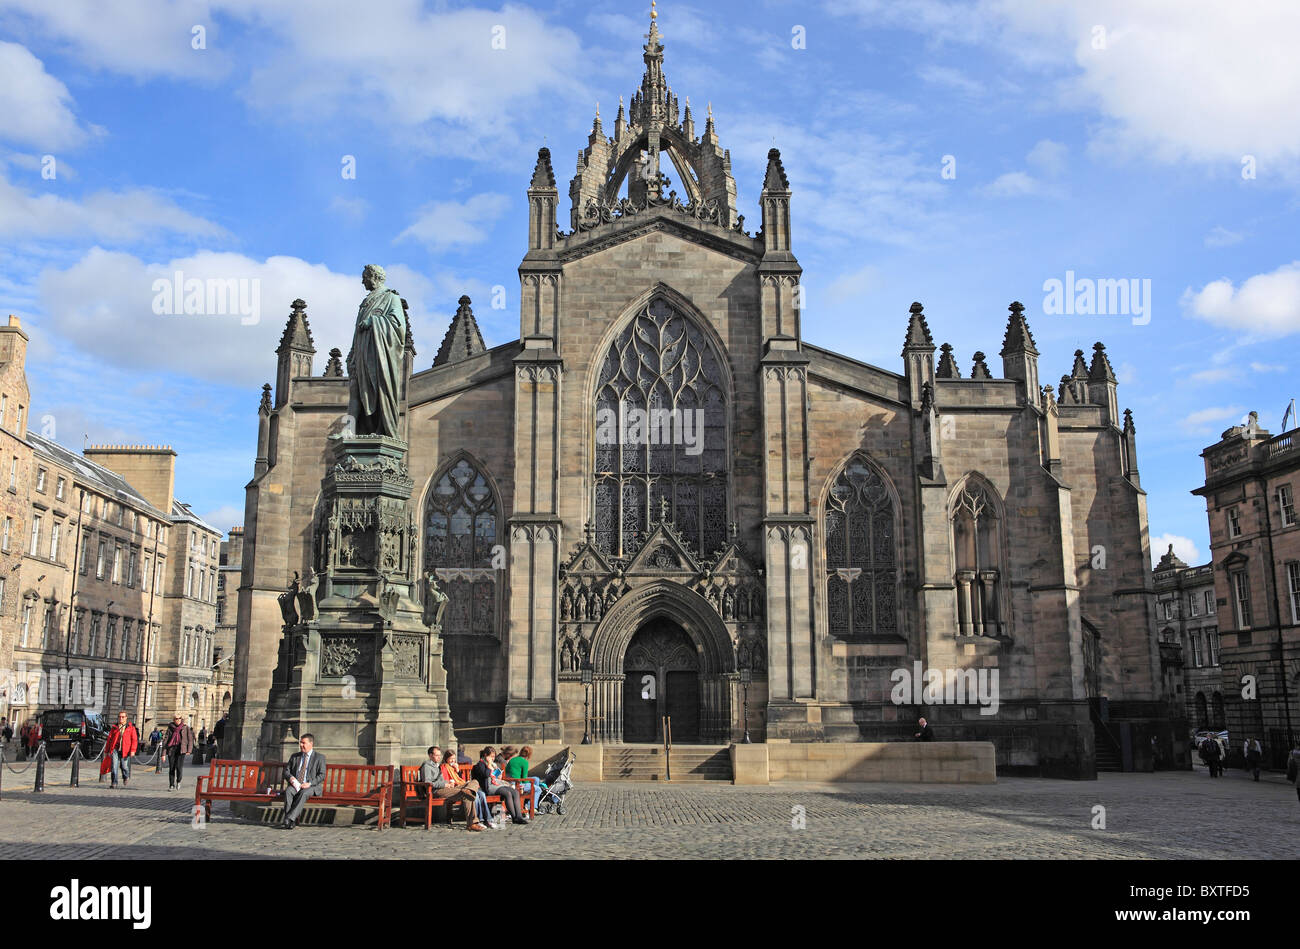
pixel 358 666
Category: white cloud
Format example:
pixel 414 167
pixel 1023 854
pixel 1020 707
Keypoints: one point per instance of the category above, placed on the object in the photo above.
pixel 1268 367
pixel 1185 549
pixel 952 78
pixel 1206 421
pixel 1047 158
pixel 1222 237
pixel 103 304
pixel 464 78
pixel 141 40
pixel 1014 184
pixel 441 224
pixel 225 517
pixel 1265 305
pixel 1214 375
pixel 853 286
pixel 108 216
pixel 1210 85
pixel 354 209
pixel 36 106
pixel 1208 82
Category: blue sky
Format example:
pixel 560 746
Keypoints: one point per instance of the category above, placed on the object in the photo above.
pixel 1132 139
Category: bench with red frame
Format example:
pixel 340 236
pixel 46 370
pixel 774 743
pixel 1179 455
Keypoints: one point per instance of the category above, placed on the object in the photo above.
pixel 362 785
pixel 410 789
pixel 255 781
pixel 263 782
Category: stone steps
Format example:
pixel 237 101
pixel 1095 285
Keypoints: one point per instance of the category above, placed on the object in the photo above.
pixel 646 763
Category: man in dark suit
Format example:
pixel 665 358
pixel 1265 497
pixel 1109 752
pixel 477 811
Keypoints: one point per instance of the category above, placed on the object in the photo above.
pixel 926 733
pixel 304 778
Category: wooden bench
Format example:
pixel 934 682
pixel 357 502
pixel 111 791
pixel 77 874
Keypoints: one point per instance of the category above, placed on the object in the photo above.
pixel 256 781
pixel 410 789
pixel 362 785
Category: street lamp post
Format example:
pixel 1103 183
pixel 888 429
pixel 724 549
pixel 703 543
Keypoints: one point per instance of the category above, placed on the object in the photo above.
pixel 746 676
pixel 586 705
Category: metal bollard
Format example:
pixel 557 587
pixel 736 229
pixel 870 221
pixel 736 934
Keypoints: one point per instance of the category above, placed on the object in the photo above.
pixel 40 769
pixel 75 780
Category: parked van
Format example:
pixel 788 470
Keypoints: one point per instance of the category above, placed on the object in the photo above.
pixel 63 729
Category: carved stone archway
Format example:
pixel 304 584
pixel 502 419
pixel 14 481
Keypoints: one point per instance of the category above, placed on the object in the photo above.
pixel 717 661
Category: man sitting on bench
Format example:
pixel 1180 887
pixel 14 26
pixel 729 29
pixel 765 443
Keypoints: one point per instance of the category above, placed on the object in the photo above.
pixel 304 778
pixel 431 773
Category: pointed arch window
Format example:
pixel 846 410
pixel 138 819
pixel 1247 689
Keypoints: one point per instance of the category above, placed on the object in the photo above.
pixel 861 554
pixel 460 533
pixel 661 434
pixel 976 533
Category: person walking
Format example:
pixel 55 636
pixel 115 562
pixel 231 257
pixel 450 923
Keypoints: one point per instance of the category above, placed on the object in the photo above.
pixel 926 733
pixel 1213 757
pixel 178 742
pixel 1254 754
pixel 123 742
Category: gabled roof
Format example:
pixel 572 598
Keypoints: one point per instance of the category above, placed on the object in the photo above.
pixel 109 482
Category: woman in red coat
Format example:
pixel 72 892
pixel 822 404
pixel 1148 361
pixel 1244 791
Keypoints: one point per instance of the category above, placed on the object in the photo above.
pixel 123 742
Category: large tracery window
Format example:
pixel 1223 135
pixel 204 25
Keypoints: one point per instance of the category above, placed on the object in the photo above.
pixel 661 434
pixel 460 532
pixel 977 539
pixel 861 561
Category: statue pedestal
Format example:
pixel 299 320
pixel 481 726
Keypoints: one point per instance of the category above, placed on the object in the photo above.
pixel 358 667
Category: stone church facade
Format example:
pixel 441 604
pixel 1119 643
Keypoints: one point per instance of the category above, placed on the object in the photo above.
pixel 788 527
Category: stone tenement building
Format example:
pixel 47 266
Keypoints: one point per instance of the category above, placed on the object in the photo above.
pixel 789 513
pixel 1188 620
pixel 1250 482
pixel 17 461
pixel 101 555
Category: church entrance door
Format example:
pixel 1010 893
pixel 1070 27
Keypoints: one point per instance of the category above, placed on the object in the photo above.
pixel 661 677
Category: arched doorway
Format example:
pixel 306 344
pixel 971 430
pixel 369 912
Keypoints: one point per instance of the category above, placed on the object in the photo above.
pixel 661 677
pixel 666 630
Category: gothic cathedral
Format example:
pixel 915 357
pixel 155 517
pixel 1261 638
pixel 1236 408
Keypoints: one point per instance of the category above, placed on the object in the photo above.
pixel 661 499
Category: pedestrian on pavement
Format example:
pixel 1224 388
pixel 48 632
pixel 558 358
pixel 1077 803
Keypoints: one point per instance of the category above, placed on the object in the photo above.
pixel 1254 754
pixel 123 741
pixel 1213 757
pixel 155 737
pixel 203 735
pixel 219 732
pixel 304 778
pixel 178 743
pixel 6 732
pixel 926 733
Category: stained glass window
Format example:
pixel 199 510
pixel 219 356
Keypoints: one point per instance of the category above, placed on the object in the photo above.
pixel 460 532
pixel 861 558
pixel 661 434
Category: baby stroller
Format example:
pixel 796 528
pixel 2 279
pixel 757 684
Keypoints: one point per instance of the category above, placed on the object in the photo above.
pixel 557 782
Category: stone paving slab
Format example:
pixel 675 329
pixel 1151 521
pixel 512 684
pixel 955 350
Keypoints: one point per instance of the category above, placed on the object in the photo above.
pixel 1148 816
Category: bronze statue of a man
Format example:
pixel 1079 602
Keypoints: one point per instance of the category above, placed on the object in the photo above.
pixel 375 360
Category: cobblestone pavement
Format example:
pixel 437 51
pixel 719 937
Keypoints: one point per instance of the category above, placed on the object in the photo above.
pixel 1165 815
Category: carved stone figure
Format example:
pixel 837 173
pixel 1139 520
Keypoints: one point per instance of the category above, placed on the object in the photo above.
pixel 435 603
pixel 375 360
pixel 288 601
